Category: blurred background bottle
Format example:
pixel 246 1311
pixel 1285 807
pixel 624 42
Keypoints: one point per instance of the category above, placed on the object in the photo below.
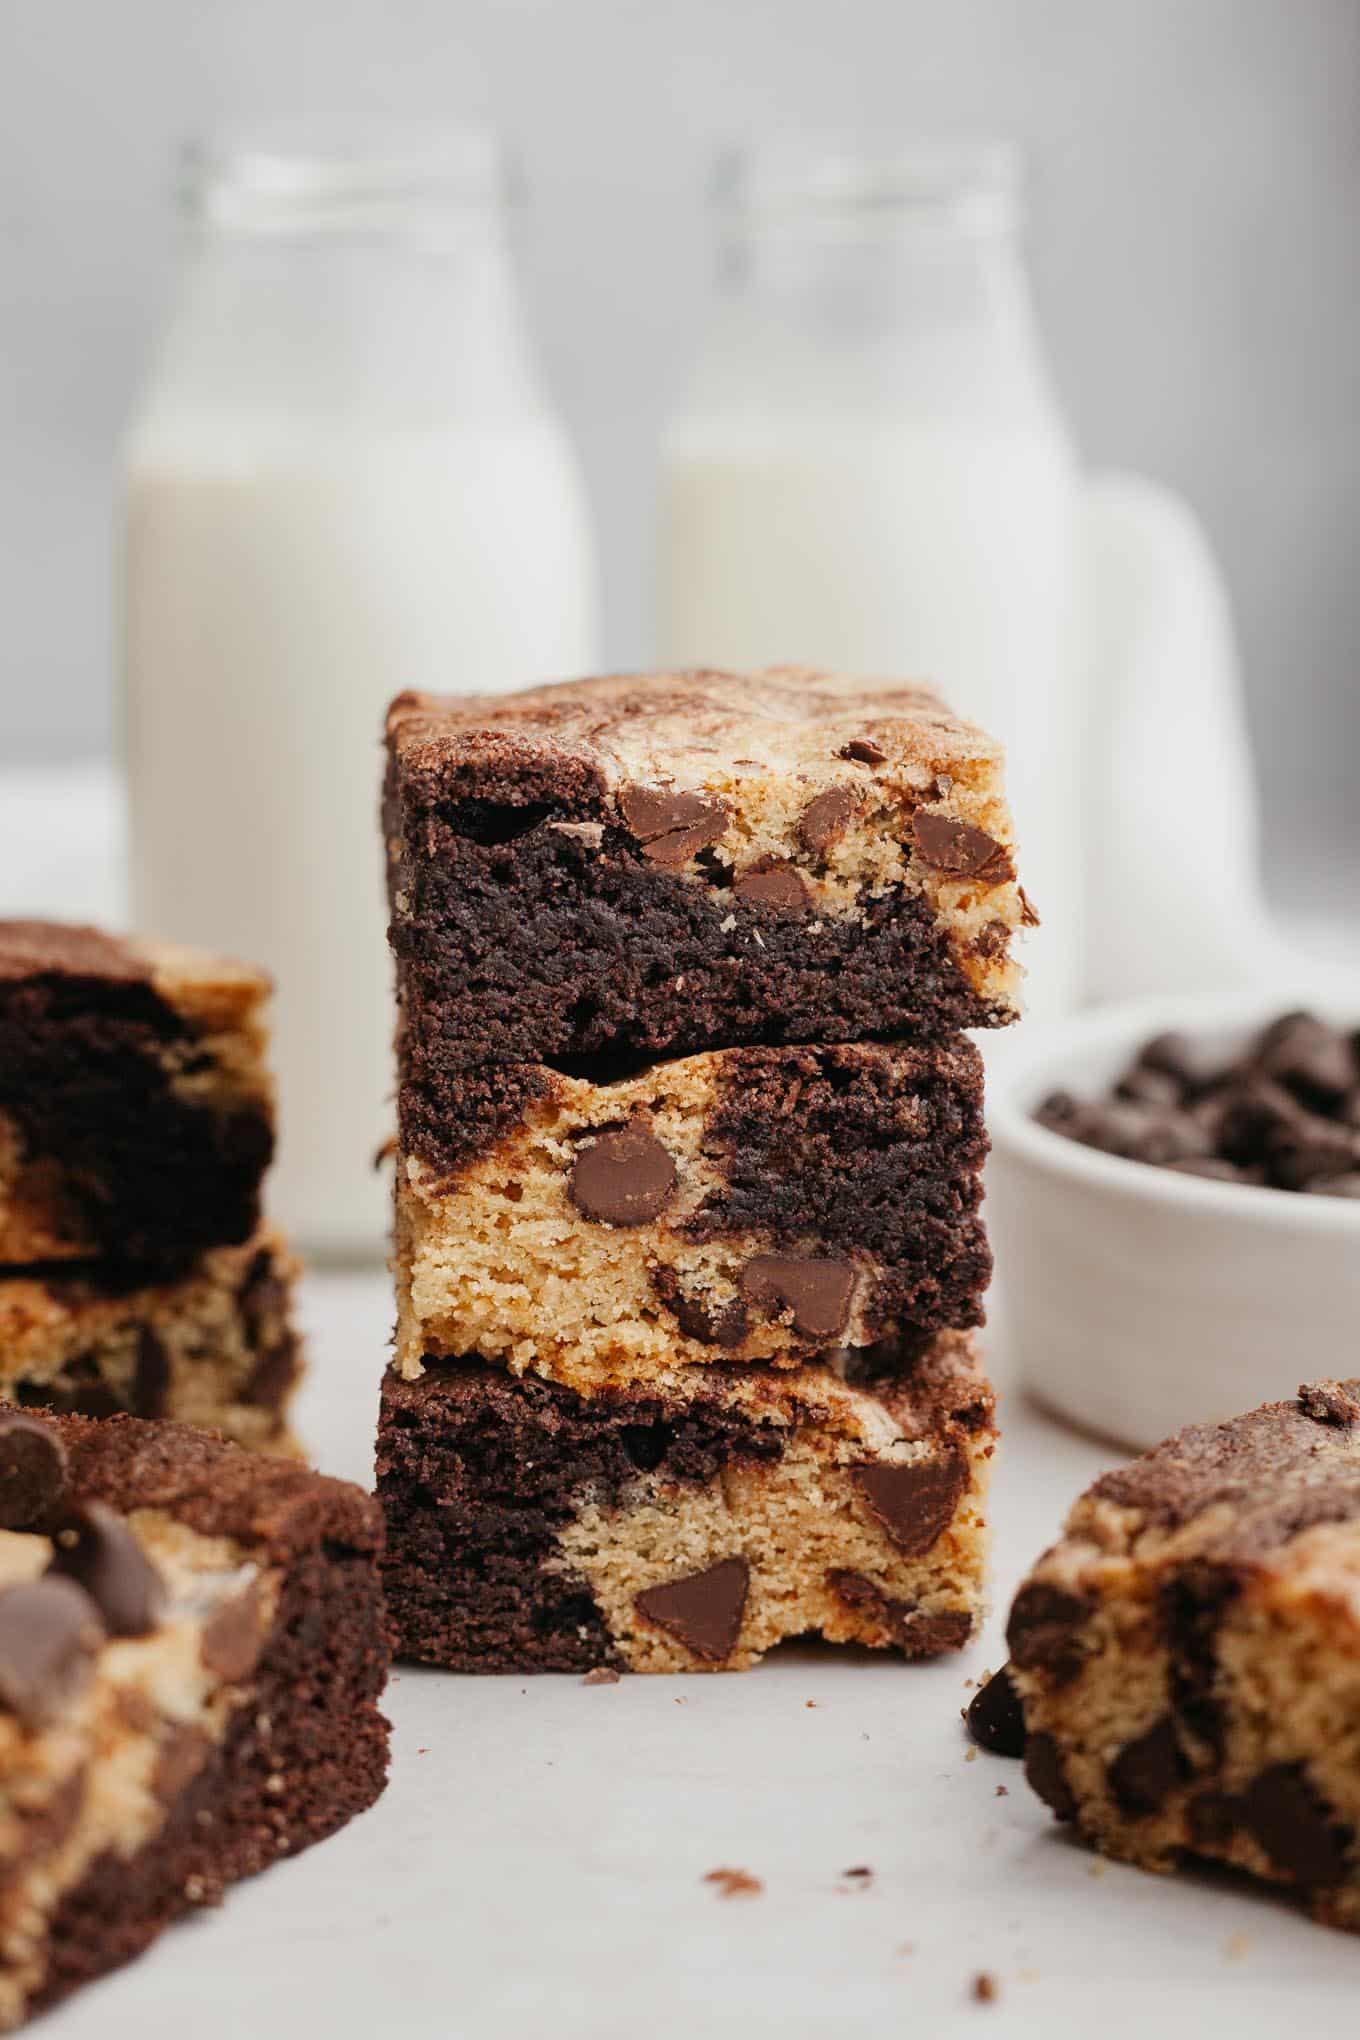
pixel 344 479
pixel 871 472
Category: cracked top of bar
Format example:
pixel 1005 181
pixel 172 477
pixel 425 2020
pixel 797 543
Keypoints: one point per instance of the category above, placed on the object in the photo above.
pixel 711 858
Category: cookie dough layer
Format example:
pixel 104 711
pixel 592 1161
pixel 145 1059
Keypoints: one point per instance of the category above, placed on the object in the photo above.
pixel 531 1529
pixel 136 1113
pixel 757 1204
pixel 144 1769
pixel 1188 1656
pixel 215 1347
pixel 669 863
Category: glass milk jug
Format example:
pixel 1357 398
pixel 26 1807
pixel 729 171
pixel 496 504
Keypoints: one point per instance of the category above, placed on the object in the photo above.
pixel 343 480
pixel 871 472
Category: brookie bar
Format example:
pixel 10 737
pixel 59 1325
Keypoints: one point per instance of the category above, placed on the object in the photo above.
pixel 748 1205
pixel 1188 1656
pixel 664 864
pixel 533 1529
pixel 213 1346
pixel 136 1114
pixel 191 1651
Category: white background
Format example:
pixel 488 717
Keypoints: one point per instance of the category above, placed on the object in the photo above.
pixel 1196 245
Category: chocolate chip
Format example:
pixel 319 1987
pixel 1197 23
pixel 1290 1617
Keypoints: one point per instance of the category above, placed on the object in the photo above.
pixel 1046 1776
pixel 704 1610
pixel 1192 1064
pixel 98 1551
pixel 817 1292
pixel 1041 1634
pixel 825 818
pixel 671 826
pixel 32 1471
pixel 914 1502
pixel 771 883
pixel 625 1177
pixel 863 750
pixel 698 1318
pixel 1330 1402
pixel 49 1633
pixel 1288 1818
pixel 1143 1085
pixel 1314 1061
pixel 964 851
pixel 918 1632
pixel 1148 1770
pixel 233 1638
pixel 996 1717
pixel 181 1757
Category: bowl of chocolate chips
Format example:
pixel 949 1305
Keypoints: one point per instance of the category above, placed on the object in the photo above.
pixel 1174 1195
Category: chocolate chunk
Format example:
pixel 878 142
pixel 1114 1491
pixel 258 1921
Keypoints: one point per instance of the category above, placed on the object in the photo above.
pixel 234 1636
pixel 671 826
pixel 32 1471
pixel 49 1633
pixel 1284 1813
pixel 1330 1402
pixel 1045 1774
pixel 1041 1633
pixel 959 848
pixel 1213 1818
pixel 918 1632
pixel 996 1718
pixel 626 1177
pixel 707 1322
pixel 825 818
pixel 863 750
pixel 98 1551
pixel 1193 1604
pixel 150 1376
pixel 817 1292
pixel 914 1502
pixel 770 883
pixel 1148 1770
pixel 703 1611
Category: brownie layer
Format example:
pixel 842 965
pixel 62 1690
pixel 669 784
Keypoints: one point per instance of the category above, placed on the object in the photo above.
pixel 757 1204
pixel 188 1683
pixel 213 1346
pixel 136 1116
pixel 666 864
pixel 1188 1656
pixel 531 1529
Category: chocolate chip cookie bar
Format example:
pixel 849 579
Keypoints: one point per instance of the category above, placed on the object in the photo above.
pixel 213 1346
pixel 757 1204
pixel 663 864
pixel 136 1114
pixel 534 1529
pixel 1188 1656
pixel 192 1646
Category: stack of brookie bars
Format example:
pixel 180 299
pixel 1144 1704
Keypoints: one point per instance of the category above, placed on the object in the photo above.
pixel 688 1244
pixel 136 1124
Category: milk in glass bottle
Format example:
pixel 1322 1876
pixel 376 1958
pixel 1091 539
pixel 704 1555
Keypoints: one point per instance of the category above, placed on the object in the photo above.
pixel 870 472
pixel 344 480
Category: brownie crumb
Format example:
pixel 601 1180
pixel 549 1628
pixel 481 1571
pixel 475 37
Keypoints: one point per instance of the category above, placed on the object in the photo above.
pixel 602 1675
pixel 986 1989
pixel 734 1883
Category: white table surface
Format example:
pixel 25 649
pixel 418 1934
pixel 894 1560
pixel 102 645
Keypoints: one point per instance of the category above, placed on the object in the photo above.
pixel 537 1864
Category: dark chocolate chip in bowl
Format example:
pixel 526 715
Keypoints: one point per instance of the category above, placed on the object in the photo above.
pixel 817 1292
pixel 1148 1770
pixel 702 1611
pixel 32 1471
pixel 826 818
pixel 1042 1630
pixel 1283 1812
pixel 863 750
pixel 959 848
pixel 671 826
pixel 1192 1064
pixel 1045 1773
pixel 770 883
pixel 1314 1061
pixel 50 1631
pixel 626 1177
pixel 913 1502
pixel 996 1718
pixel 97 1550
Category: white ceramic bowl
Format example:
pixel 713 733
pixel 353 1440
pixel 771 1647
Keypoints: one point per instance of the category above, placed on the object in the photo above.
pixel 1137 1299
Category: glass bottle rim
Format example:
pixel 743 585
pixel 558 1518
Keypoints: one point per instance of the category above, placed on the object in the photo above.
pixel 340 176
pixel 788 183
